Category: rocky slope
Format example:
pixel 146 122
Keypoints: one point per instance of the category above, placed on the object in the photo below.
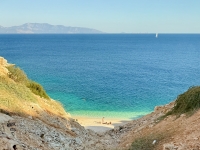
pixel 28 121
pixel 150 133
pixel 43 127
pixel 33 134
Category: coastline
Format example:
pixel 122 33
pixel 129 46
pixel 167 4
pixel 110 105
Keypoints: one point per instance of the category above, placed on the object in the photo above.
pixel 119 115
pixel 95 123
pixel 93 119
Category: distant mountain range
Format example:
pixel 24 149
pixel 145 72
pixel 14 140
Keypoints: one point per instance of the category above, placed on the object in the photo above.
pixel 37 28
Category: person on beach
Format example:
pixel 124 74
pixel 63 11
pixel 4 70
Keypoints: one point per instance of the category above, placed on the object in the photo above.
pixel 102 122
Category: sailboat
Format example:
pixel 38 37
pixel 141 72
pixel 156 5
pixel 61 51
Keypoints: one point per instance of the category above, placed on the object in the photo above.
pixel 156 35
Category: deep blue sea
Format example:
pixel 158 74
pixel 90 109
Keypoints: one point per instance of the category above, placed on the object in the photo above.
pixel 110 75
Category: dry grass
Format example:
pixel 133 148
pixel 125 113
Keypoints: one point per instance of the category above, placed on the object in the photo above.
pixel 13 96
pixel 146 142
pixel 16 98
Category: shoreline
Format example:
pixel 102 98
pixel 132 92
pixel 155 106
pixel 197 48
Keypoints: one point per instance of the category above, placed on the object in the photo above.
pixel 119 115
pixel 95 123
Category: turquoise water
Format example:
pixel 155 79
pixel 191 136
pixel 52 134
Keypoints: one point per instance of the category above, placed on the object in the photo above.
pixel 114 75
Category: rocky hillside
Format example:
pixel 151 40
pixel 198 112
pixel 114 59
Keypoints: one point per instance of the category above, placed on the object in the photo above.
pixel 30 122
pixel 151 133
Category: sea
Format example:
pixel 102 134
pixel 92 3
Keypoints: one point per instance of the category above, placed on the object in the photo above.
pixel 120 76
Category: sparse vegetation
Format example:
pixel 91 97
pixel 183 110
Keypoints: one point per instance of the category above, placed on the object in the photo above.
pixel 13 96
pixel 19 76
pixel 187 102
pixel 142 144
pixel 146 142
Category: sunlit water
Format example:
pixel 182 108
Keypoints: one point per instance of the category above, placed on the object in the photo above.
pixel 119 75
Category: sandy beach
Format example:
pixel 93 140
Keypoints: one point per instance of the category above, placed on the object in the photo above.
pixel 96 124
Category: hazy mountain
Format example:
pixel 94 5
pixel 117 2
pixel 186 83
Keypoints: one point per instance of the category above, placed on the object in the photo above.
pixel 46 28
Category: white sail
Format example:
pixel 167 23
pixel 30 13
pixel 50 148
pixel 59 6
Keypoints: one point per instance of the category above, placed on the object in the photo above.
pixel 156 35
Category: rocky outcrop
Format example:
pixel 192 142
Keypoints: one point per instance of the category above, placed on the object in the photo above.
pixel 33 134
pixel 122 136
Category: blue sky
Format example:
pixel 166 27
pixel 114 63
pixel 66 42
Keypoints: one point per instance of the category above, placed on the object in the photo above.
pixel 112 16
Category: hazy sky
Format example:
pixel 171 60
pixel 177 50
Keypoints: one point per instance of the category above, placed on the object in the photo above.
pixel 112 16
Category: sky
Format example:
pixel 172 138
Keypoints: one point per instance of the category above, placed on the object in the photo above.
pixel 110 16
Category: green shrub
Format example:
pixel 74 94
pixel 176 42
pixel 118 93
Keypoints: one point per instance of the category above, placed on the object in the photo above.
pixel 187 102
pixel 37 89
pixel 19 76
